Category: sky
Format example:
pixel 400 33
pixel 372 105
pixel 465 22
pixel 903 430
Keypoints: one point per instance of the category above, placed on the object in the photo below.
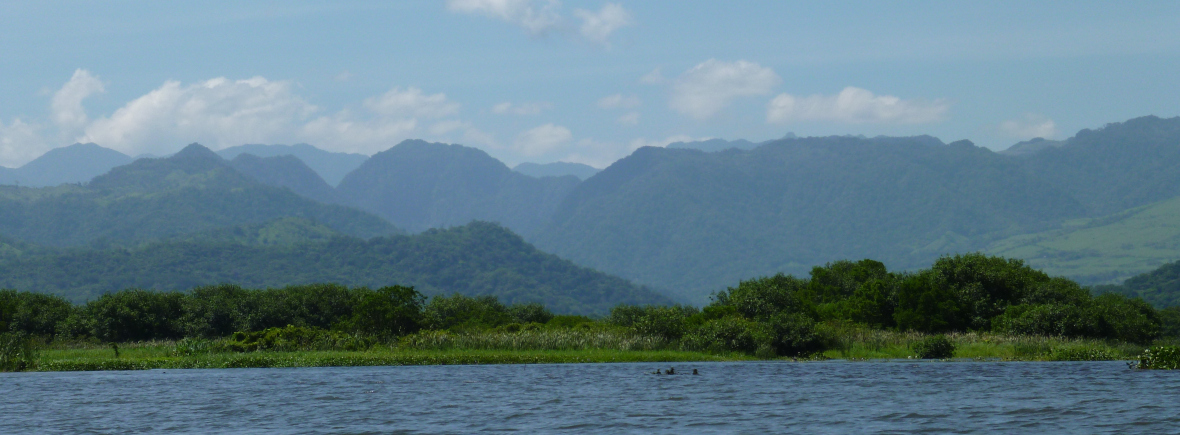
pixel 579 81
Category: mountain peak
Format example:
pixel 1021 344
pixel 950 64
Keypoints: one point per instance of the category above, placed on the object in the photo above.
pixel 196 151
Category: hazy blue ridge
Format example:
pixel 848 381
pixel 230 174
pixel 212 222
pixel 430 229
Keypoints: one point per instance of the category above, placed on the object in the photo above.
pixel 286 171
pixel 331 166
pixel 77 163
pixel 556 169
pixel 419 185
pixel 475 259
pixel 192 191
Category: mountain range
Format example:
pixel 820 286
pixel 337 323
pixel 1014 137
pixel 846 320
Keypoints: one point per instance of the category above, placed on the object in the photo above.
pixel 692 218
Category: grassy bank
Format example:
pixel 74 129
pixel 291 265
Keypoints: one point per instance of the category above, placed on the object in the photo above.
pixel 532 348
pixel 162 355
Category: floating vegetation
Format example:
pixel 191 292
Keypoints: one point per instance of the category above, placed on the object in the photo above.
pixel 1159 358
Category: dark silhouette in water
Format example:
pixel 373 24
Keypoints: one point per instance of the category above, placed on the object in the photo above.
pixel 671 370
pixel 694 371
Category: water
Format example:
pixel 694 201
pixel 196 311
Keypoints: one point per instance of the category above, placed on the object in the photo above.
pixel 747 397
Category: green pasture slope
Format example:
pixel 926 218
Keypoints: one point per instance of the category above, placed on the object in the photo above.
pixel 1102 250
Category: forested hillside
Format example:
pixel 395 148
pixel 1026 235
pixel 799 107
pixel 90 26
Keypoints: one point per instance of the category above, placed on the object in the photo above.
pixel 1160 287
pixel 476 259
pixel 419 185
pixel 691 221
pixel 192 191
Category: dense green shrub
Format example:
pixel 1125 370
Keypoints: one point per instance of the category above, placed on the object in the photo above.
pixel 1047 319
pixel 134 315
pixel 388 311
pixel 793 335
pixel 32 313
pixel 1126 319
pixel 1170 322
pixel 458 312
pixel 17 352
pixel 764 297
pixel 530 313
pixel 729 334
pixel 934 347
pixel 217 311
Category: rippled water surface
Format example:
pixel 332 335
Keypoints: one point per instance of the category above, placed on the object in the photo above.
pixel 747 397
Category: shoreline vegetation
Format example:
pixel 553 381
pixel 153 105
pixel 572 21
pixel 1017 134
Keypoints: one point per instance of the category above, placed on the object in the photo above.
pixel 967 307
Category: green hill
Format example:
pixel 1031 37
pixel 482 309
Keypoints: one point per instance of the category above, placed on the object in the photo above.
pixel 476 259
pixel 1102 250
pixel 1160 287
pixel 691 221
pixel 192 191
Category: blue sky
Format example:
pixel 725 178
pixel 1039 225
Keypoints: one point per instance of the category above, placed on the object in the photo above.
pixel 583 81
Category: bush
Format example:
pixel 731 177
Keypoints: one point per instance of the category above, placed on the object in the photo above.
pixel 1046 319
pixel 32 313
pixel 1160 357
pixel 530 313
pixel 1126 319
pixel 134 315
pixel 729 334
pixel 793 335
pixel 387 312
pixel 458 312
pixel 17 352
pixel 764 297
pixel 935 347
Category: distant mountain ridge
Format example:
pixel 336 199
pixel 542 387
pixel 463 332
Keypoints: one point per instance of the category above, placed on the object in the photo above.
pixel 331 166
pixel 556 169
pixel 149 199
pixel 419 185
pixel 77 163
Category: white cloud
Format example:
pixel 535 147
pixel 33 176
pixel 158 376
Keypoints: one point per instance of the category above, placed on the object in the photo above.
pixel 598 26
pixel 542 140
pixel 217 113
pixel 641 142
pixel 20 142
pixel 411 103
pixel 533 108
pixel 631 118
pixel 1030 126
pixel 344 76
pixel 710 86
pixel 535 17
pixel 655 77
pixel 66 105
pixel 854 105
pixel 619 101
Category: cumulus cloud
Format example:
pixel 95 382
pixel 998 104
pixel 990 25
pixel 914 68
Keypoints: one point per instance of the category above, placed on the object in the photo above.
pixel 532 108
pixel 217 112
pixel 598 26
pixel 710 86
pixel 535 17
pixel 642 142
pixel 1030 126
pixel 631 118
pixel 66 105
pixel 542 140
pixel 854 105
pixel 20 142
pixel 619 101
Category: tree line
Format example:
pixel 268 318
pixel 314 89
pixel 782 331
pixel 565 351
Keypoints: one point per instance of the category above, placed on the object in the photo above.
pixel 776 315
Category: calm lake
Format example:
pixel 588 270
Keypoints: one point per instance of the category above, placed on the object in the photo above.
pixel 746 397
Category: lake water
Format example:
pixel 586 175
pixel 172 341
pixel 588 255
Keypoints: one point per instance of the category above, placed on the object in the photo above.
pixel 745 397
